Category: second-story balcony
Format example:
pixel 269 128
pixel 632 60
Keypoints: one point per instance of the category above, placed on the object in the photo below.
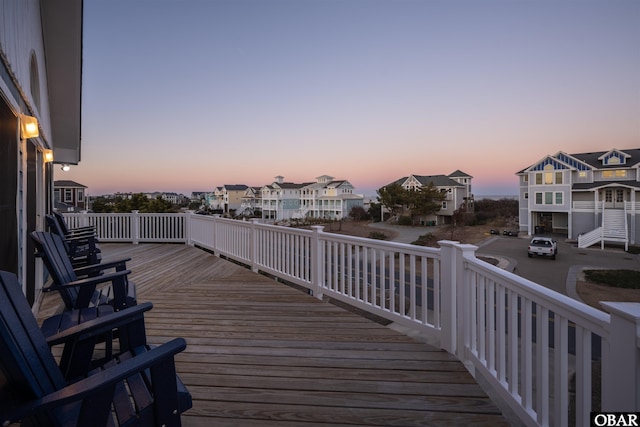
pixel 431 324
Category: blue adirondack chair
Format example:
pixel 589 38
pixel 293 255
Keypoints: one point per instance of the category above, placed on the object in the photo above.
pixel 139 387
pixel 72 231
pixel 78 286
pixel 82 248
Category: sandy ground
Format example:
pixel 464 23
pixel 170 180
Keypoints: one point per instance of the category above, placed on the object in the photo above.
pixel 590 293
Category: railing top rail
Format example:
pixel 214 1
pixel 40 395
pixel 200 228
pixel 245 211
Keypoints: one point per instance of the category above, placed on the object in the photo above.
pixel 382 244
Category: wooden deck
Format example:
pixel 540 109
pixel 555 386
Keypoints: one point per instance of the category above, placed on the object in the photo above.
pixel 261 353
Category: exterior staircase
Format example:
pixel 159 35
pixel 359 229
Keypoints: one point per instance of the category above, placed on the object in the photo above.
pixel 614 228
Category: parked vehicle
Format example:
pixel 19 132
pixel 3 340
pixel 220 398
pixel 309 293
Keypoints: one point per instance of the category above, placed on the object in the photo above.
pixel 543 246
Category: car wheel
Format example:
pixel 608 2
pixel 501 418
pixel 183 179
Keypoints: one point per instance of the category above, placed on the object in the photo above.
pixel 553 257
pixel 529 255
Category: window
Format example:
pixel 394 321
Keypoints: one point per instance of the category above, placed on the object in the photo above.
pixel 621 173
pixel 558 177
pixel 548 175
pixel 34 80
pixel 538 198
pixel 539 179
pixel 68 195
pixel 444 205
pixel 619 196
pixel 559 198
pixel 548 198
pixel 56 195
pixel 607 174
pixel 582 174
pixel 526 196
pixel 80 195
pixel 526 178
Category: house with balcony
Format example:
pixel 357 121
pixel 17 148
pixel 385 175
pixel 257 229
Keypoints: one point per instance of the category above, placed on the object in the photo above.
pixel 456 187
pixel 328 198
pixel 280 199
pixel 325 198
pixel 251 202
pixel 40 104
pixel 69 196
pixel 591 197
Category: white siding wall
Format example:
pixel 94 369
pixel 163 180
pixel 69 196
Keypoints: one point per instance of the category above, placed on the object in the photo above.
pixel 20 35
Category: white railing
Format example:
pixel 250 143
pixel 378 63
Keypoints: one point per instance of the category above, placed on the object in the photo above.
pixel 544 353
pixel 591 238
pixel 134 227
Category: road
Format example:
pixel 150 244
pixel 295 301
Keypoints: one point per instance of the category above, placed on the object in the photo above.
pixel 558 274
pixel 553 274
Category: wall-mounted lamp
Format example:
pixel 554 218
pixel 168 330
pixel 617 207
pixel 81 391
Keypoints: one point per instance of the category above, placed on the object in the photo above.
pixel 47 155
pixel 28 127
pixel 65 168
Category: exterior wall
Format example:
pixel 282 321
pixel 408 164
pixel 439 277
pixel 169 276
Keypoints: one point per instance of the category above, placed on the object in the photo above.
pixel 21 37
pixel 29 188
pixel 583 222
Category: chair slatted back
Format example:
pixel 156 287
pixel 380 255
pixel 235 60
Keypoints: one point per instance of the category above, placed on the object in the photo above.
pixel 51 247
pixel 57 216
pixel 26 361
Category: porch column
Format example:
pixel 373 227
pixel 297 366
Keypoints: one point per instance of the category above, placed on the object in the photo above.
pixel 596 201
pixel 632 215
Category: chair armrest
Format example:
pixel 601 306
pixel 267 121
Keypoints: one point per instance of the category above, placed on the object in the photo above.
pixel 100 325
pixel 99 382
pixel 110 277
pixel 92 269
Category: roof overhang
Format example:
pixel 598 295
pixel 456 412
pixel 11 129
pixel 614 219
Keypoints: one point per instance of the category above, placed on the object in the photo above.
pixel 62 27
pixel 600 185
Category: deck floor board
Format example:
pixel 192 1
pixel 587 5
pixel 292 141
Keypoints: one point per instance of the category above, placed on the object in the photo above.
pixel 261 353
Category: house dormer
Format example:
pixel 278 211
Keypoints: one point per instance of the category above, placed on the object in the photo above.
pixel 614 158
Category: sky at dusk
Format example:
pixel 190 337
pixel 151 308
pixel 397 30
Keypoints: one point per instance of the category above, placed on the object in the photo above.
pixel 187 95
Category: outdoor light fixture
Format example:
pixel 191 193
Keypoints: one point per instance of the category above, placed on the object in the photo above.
pixel 65 168
pixel 28 127
pixel 47 155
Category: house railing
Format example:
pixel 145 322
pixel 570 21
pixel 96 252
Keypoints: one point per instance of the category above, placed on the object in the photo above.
pixel 551 358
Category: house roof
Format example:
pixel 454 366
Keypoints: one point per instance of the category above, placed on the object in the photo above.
pixel 592 160
pixel 459 174
pixel 62 26
pixel 67 183
pixel 437 180
pixel 595 159
pixel 235 187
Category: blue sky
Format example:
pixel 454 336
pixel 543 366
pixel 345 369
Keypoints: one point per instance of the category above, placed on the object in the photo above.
pixel 188 95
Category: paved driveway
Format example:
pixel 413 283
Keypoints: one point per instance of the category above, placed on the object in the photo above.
pixel 558 275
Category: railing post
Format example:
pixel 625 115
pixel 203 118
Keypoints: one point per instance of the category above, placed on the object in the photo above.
pixel 187 227
pixel 216 250
pixel 135 227
pixel 84 219
pixel 448 328
pixel 316 260
pixel 253 241
pixel 621 361
pixel 453 295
